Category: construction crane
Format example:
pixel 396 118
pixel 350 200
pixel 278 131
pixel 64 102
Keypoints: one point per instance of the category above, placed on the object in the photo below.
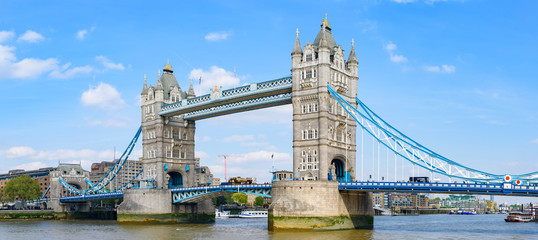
pixel 225 156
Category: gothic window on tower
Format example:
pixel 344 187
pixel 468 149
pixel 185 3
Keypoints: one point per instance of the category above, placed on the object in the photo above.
pixel 176 153
pixel 309 74
pixel 304 108
pixel 309 134
pixel 309 57
pixel 315 73
pixel 183 155
pixel 175 133
pixel 166 133
pixel 315 107
pixel 340 133
pixel 309 108
pixel 184 136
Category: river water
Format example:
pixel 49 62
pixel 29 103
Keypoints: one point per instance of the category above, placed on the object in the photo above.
pixel 385 227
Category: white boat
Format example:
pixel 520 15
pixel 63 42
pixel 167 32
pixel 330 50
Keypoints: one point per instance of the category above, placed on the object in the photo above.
pixel 253 214
pixel 519 217
pixel 223 214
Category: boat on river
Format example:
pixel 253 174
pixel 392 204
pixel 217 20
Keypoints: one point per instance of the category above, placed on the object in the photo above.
pixel 221 215
pixel 253 214
pixel 519 217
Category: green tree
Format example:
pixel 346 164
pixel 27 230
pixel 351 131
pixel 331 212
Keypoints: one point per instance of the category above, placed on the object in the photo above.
pixel 24 188
pixel 259 201
pixel 220 200
pixel 240 198
pixel 3 197
pixel 229 199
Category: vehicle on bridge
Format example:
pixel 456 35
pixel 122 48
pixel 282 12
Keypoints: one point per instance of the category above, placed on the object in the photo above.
pixel 238 181
pixel 419 179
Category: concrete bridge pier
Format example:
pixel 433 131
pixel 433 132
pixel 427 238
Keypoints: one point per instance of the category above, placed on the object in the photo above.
pixel 318 205
pixel 57 206
pixel 155 206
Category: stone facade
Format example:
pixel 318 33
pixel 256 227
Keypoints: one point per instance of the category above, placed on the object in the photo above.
pixel 323 133
pixel 155 206
pixel 318 205
pixel 168 142
pixel 74 175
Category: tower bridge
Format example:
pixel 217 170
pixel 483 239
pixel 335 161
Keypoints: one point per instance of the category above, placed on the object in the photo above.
pixel 322 90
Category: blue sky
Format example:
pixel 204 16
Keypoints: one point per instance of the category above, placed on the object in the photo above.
pixel 456 76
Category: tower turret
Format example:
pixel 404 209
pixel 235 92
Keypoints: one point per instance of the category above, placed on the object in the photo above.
pixel 297 53
pixel 191 93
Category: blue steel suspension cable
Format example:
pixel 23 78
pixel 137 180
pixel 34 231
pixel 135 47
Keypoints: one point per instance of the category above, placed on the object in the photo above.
pixel 428 166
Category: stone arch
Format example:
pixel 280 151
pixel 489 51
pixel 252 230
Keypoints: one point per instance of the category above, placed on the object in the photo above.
pixel 309 176
pixel 66 192
pixel 174 179
pixel 339 171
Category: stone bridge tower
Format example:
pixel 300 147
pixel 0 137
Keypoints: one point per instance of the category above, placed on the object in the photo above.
pixel 74 175
pixel 324 147
pixel 168 142
pixel 323 134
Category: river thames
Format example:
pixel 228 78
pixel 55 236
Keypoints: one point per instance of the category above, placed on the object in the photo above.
pixel 386 227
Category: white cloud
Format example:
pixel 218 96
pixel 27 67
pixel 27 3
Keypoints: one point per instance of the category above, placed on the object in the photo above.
pixel 390 46
pixel 403 1
pixel 535 141
pixel 48 158
pixel 104 96
pixel 64 72
pixel 32 67
pixel 109 64
pixel 217 36
pixel 81 34
pixel 31 36
pixel 202 155
pixel 17 152
pixel 398 58
pixel 432 68
pixel 29 68
pixel 448 68
pixel 31 166
pixel 6 35
pixel 215 76
pixel 440 69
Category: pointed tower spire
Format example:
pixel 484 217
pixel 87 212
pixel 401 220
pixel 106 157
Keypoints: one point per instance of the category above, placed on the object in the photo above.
pixel 323 42
pixel 191 93
pixel 297 49
pixel 145 87
pixel 352 57
pixel 159 85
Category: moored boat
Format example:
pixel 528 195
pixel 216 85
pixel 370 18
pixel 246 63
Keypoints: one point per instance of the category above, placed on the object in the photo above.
pixel 519 217
pixel 253 214
pixel 223 214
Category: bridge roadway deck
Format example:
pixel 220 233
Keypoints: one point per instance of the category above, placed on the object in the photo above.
pixel 254 96
pixel 195 194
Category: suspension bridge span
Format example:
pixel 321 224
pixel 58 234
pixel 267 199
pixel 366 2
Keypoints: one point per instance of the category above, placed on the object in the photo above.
pixel 324 193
